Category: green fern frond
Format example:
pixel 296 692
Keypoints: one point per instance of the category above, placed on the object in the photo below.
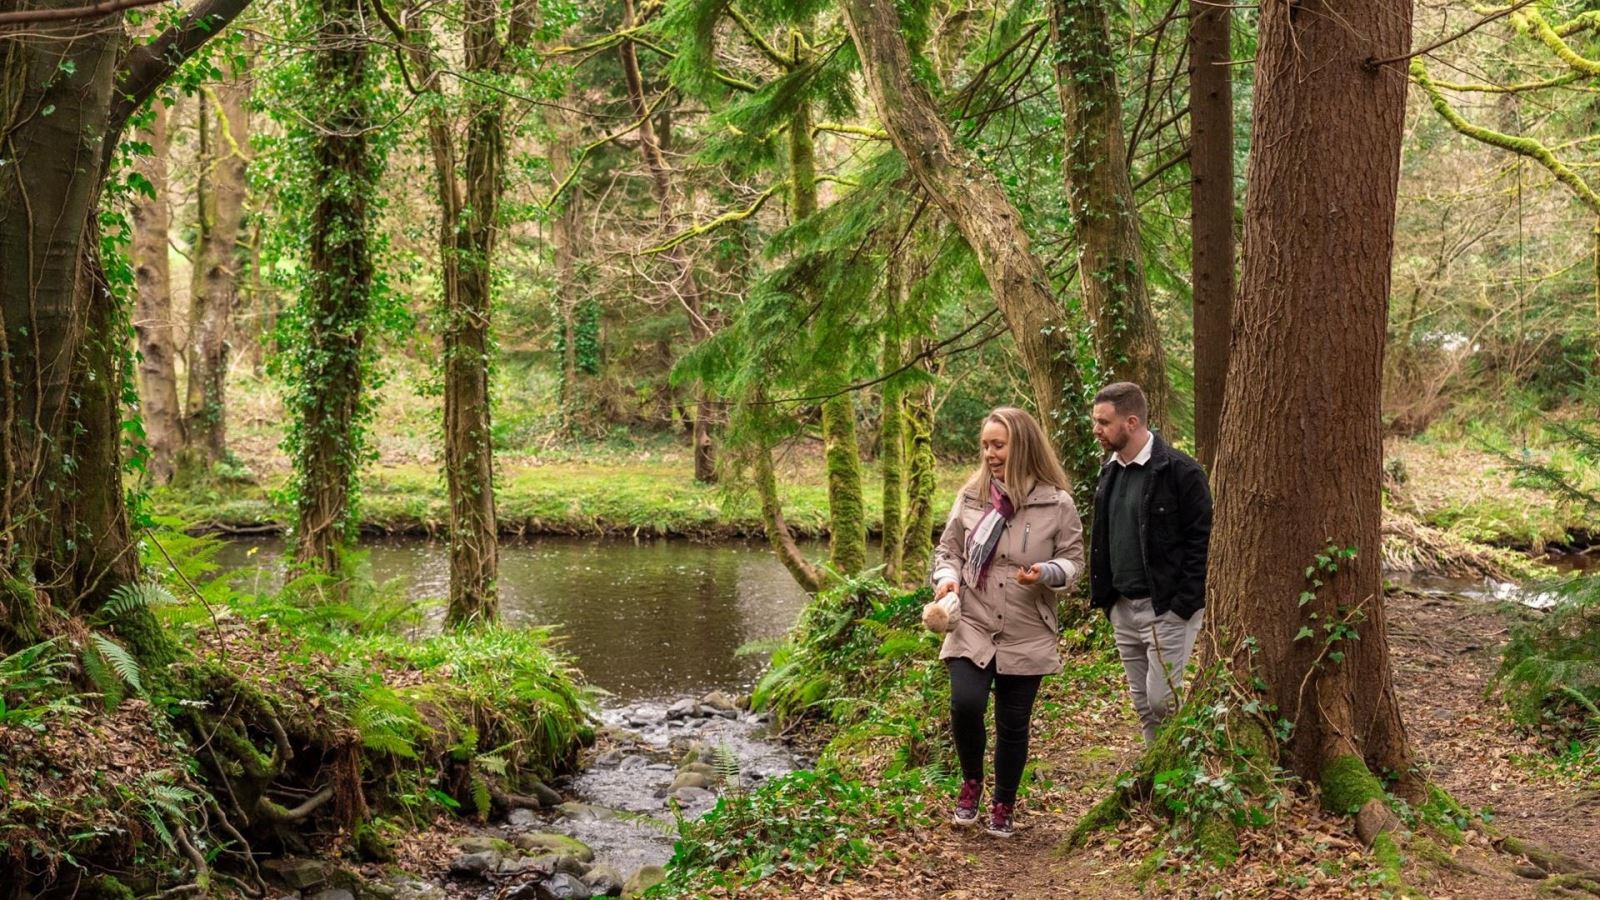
pixel 135 596
pixel 120 659
pixel 100 675
pixel 480 797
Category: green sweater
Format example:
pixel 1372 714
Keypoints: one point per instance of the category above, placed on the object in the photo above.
pixel 1124 509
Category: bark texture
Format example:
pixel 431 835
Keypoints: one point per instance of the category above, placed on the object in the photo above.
pixel 328 399
pixel 220 257
pixel 1127 339
pixel 972 200
pixel 921 484
pixel 1211 214
pixel 65 540
pixel 152 318
pixel 1304 386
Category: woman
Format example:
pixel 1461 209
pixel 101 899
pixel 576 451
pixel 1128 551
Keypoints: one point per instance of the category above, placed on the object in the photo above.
pixel 1012 542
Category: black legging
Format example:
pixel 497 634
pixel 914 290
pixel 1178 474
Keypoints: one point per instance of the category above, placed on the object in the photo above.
pixel 1013 707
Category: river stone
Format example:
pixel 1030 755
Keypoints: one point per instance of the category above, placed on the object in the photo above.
pixel 642 880
pixel 524 865
pixel 689 780
pixel 604 881
pixel 522 818
pixel 586 812
pixel 608 759
pixel 693 796
pixel 562 886
pixel 478 843
pixel 658 767
pixel 476 865
pixel 402 888
pixel 300 873
pixel 720 701
pixel 683 709
pixel 540 843
pixel 633 762
pixel 332 894
pixel 705 769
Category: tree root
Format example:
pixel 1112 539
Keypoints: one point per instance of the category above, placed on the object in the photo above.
pixel 1550 862
pixel 281 815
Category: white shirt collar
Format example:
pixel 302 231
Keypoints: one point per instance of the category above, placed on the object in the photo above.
pixel 1142 457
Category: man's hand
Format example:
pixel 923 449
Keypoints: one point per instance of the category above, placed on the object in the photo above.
pixel 1030 575
pixel 944 587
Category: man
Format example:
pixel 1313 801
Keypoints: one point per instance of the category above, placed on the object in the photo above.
pixel 1147 556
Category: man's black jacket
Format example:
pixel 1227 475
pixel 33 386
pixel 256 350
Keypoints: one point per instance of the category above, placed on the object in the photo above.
pixel 1174 527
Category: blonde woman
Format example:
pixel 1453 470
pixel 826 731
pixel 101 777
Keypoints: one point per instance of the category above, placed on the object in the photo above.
pixel 1012 543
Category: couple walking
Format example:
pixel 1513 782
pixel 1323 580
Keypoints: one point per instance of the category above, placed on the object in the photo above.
pixel 1014 540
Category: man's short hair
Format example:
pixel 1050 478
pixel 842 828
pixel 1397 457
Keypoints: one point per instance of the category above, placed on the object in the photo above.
pixel 1126 398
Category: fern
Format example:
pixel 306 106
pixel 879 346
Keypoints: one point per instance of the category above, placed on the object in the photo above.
pixel 480 796
pixel 99 673
pixel 727 765
pixel 133 597
pixel 118 657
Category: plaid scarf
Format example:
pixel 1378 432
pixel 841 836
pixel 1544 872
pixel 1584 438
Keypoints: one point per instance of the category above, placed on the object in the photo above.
pixel 984 538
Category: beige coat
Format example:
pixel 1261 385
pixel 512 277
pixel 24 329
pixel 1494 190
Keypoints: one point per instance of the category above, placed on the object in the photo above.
pixel 1011 623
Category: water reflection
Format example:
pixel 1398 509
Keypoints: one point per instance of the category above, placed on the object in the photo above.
pixel 648 620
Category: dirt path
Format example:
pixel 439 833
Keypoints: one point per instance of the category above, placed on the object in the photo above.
pixel 1445 652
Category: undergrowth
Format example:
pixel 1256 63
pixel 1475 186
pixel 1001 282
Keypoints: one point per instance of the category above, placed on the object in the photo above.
pixel 342 717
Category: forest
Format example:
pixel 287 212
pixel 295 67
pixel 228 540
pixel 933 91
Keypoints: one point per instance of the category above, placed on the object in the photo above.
pixel 498 448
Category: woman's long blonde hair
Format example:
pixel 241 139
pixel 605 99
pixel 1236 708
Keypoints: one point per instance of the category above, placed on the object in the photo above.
pixel 1030 460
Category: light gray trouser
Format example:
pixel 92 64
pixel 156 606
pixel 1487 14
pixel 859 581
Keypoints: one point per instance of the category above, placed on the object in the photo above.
pixel 1154 650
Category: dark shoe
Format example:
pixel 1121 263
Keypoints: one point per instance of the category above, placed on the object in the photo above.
pixel 1000 820
pixel 967 803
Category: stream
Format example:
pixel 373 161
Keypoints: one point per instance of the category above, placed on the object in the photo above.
pixel 655 625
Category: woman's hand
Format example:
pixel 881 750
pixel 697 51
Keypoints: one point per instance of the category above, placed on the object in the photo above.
pixel 1029 575
pixel 944 587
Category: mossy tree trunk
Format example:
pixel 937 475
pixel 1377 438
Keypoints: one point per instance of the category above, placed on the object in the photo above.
pixel 152 318
pixel 224 137
pixel 1106 218
pixel 972 200
pixel 777 530
pixel 916 555
pixel 847 520
pixel 1303 394
pixel 892 432
pixel 1211 208
pixel 328 398
pixel 65 539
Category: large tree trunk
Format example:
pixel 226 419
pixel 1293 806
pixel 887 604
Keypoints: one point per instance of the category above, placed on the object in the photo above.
pixel 65 540
pixel 1110 259
pixel 224 132
pixel 1303 392
pixel 469 448
pixel 1211 213
pixel 152 321
pixel 972 199
pixel 329 380
pixel 688 286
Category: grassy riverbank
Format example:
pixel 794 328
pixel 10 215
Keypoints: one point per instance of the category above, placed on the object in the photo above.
pixel 647 490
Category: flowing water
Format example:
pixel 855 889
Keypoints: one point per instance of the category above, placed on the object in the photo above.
pixel 656 625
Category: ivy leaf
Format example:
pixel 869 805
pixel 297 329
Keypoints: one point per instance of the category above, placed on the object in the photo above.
pixel 1304 632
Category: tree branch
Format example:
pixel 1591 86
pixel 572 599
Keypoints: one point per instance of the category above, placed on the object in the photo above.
pixel 148 66
pixel 1372 65
pixel 105 7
